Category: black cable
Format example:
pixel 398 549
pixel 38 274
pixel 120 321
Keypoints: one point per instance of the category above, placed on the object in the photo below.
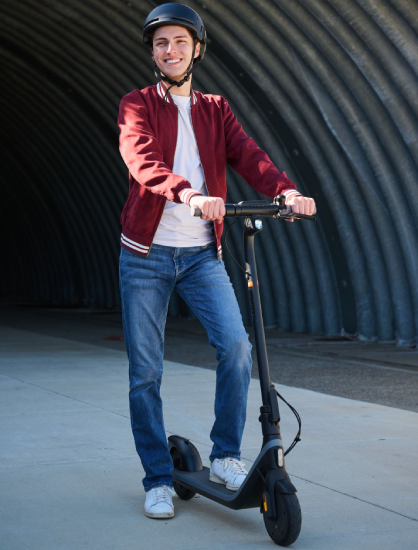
pixel 230 253
pixel 295 412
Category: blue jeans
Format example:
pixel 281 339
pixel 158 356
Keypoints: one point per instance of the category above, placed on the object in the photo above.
pixel 146 284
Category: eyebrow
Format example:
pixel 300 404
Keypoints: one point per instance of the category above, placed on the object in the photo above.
pixel 163 38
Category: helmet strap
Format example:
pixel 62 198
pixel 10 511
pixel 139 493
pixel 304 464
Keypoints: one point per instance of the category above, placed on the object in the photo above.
pixel 179 83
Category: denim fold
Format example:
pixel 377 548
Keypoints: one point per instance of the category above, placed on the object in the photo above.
pixel 146 284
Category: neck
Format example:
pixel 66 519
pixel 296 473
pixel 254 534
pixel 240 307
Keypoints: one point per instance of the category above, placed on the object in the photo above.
pixel 185 89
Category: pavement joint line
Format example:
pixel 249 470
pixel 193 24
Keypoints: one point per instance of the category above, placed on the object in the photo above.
pixel 52 462
pixel 352 496
pixel 327 356
pixel 63 395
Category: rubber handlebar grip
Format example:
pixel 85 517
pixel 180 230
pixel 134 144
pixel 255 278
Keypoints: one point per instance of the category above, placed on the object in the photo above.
pixel 195 211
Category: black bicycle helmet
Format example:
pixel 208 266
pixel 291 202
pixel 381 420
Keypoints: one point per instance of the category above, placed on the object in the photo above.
pixel 182 16
pixel 176 14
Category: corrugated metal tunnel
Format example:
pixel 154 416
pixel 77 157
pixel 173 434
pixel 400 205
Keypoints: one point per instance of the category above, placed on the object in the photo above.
pixel 327 87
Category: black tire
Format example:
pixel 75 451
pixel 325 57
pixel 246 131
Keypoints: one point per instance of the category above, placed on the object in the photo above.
pixel 182 492
pixel 285 530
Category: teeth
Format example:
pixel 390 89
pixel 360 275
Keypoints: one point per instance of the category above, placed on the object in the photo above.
pixel 171 62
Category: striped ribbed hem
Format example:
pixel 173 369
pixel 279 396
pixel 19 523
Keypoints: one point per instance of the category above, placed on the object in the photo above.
pixel 162 91
pixel 289 193
pixel 186 194
pixel 133 245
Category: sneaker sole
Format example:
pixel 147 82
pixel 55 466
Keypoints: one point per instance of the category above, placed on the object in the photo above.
pixel 167 515
pixel 216 479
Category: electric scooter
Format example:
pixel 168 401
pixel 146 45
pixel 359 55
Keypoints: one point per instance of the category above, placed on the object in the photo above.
pixel 267 485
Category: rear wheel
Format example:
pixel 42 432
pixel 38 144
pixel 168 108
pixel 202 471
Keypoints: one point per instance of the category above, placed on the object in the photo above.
pixel 285 530
pixel 182 492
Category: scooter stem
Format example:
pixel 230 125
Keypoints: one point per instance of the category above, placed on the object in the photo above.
pixel 270 415
pixel 253 288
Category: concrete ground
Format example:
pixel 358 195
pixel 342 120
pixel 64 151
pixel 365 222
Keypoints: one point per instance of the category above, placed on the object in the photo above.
pixel 70 477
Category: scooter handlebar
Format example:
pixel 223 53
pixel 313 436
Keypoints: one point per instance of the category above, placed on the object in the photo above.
pixel 246 209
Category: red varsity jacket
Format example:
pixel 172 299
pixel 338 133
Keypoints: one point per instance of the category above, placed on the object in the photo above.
pixel 148 137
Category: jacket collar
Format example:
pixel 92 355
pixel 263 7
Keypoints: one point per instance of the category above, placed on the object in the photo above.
pixel 161 89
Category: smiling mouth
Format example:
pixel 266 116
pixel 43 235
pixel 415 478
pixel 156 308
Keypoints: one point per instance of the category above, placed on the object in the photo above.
pixel 172 61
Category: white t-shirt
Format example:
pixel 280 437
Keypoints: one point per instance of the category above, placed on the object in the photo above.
pixel 178 228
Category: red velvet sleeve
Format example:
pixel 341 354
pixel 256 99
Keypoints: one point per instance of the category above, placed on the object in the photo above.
pixel 142 153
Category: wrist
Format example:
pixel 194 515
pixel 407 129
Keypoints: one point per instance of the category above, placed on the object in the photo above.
pixel 187 194
pixel 290 194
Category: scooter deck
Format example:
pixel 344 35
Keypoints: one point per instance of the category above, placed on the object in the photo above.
pixel 199 482
pixel 249 495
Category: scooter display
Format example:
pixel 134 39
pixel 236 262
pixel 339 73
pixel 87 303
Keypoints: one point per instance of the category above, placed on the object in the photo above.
pixel 267 485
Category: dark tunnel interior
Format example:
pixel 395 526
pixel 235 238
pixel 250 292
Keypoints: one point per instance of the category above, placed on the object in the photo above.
pixel 326 87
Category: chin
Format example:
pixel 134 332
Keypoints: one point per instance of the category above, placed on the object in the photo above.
pixel 173 74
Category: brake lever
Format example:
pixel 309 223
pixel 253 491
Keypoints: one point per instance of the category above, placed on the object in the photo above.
pixel 288 214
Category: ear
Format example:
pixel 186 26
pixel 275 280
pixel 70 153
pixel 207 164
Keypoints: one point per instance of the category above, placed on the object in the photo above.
pixel 197 51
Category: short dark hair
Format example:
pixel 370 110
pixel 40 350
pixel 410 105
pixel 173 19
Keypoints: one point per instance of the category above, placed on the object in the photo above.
pixel 151 35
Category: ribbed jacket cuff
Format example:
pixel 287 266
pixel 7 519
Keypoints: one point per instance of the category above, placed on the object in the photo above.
pixel 289 193
pixel 187 194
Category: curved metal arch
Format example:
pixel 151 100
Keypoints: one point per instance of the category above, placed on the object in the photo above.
pixel 327 89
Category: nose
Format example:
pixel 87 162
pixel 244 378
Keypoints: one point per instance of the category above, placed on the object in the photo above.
pixel 171 47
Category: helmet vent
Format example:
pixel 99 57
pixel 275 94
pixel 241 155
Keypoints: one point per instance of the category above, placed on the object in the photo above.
pixel 182 19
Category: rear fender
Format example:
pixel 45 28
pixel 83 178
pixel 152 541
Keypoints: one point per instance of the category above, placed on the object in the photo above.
pixel 189 456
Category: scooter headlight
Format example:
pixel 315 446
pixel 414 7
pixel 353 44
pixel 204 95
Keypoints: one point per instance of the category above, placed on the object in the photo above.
pixel 280 457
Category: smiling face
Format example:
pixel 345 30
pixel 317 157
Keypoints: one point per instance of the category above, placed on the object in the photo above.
pixel 172 50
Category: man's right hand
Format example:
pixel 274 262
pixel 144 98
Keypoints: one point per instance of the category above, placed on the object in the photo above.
pixel 212 208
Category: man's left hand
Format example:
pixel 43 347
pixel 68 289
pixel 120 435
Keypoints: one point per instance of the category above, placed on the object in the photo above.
pixel 302 205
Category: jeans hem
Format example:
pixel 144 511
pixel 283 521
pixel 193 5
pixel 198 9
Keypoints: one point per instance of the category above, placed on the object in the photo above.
pixel 158 484
pixel 225 455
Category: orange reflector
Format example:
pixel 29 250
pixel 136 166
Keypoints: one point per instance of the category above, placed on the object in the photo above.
pixel 264 503
pixel 250 284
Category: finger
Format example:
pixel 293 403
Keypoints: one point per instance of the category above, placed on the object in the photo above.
pixel 303 205
pixel 212 206
pixel 204 211
pixel 297 206
pixel 220 209
pixel 215 215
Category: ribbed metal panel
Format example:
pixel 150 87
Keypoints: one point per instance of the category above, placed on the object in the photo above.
pixel 327 88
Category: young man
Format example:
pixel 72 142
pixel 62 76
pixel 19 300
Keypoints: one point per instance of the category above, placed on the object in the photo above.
pixel 176 143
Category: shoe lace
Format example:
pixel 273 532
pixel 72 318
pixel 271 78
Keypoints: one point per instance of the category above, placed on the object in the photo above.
pixel 160 494
pixel 236 465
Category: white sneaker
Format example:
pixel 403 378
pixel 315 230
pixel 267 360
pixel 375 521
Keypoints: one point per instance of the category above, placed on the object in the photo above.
pixel 158 502
pixel 229 472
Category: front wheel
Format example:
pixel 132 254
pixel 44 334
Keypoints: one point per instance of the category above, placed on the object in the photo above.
pixel 285 530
